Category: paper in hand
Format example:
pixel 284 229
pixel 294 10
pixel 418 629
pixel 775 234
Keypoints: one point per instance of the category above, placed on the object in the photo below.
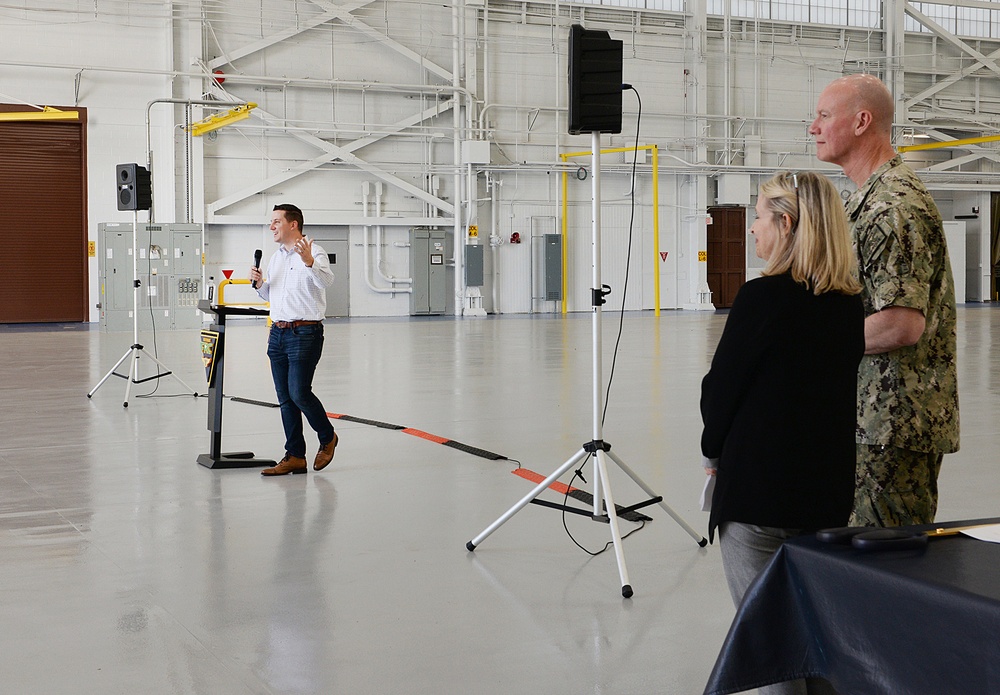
pixel 706 493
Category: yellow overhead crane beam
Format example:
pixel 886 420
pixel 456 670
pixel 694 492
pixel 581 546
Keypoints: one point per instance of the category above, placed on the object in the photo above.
pixel 234 115
pixel 47 113
pixel 948 143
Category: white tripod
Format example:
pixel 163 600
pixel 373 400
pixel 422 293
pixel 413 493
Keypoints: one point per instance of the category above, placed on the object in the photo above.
pixel 597 447
pixel 137 348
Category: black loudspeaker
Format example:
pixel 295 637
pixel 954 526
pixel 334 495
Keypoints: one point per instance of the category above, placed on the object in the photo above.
pixel 134 186
pixel 595 82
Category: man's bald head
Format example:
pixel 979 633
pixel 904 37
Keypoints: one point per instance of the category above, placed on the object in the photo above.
pixel 868 93
pixel 853 125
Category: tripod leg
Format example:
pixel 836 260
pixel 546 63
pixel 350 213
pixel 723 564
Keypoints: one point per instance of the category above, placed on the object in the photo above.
pixel 535 492
pixel 616 536
pixel 133 374
pixel 638 481
pixel 110 372
pixel 167 369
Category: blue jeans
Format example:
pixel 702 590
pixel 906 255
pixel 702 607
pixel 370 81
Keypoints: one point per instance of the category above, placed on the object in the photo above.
pixel 294 354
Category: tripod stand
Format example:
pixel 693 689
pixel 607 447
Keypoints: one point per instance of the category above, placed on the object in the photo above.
pixel 597 447
pixel 136 349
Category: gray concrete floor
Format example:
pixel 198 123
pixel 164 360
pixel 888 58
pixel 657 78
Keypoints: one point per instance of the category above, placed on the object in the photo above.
pixel 129 568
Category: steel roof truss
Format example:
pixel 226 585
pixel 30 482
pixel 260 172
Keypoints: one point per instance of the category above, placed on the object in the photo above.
pixel 344 153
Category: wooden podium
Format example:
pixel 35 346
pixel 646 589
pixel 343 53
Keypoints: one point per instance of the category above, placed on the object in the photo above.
pixel 215 458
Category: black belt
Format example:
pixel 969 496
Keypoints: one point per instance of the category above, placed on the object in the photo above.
pixel 294 324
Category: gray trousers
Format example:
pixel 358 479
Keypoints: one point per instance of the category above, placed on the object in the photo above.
pixel 746 549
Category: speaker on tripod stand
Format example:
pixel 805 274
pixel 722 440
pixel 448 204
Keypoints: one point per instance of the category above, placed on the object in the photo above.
pixel 595 106
pixel 135 187
pixel 595 82
pixel 134 191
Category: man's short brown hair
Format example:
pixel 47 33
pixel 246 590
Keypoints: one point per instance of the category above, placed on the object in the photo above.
pixel 292 213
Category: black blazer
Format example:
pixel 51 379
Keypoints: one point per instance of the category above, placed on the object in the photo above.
pixel 779 407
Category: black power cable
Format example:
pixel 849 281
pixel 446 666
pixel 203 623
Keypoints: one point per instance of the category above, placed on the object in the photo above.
pixel 628 254
pixel 578 473
pixel 621 323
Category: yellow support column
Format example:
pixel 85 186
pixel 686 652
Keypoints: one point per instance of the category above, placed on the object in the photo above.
pixel 565 236
pixel 656 229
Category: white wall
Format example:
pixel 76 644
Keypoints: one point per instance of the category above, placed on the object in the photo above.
pixel 955 231
pixel 973 208
pixel 115 102
pixel 704 94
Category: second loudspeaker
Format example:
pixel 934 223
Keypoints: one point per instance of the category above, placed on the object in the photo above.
pixel 134 187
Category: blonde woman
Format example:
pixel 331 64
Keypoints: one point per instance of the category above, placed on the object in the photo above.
pixel 779 402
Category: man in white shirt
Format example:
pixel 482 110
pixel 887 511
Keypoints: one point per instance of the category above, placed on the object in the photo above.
pixel 297 277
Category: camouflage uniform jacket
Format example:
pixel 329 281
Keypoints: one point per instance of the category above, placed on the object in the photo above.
pixel 907 398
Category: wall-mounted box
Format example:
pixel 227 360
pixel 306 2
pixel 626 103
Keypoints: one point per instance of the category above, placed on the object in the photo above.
pixel 475 152
pixel 734 189
pixel 474 265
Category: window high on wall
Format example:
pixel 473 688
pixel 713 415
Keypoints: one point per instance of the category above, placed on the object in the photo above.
pixel 852 13
pixel 980 22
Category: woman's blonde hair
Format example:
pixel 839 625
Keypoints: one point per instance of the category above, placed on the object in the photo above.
pixel 818 250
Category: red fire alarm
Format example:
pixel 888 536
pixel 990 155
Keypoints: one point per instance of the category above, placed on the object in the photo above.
pixel 515 238
pixel 218 76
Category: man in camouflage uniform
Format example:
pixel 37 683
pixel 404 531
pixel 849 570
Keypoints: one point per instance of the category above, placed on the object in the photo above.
pixel 907 381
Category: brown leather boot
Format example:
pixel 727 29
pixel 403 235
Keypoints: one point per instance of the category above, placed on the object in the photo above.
pixel 325 455
pixel 289 464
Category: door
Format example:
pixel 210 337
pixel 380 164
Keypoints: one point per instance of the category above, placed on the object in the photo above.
pixel 43 184
pixel 994 246
pixel 338 295
pixel 334 242
pixel 954 232
pixel 727 256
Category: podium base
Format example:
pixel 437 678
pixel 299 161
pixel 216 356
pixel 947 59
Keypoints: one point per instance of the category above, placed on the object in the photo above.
pixel 236 459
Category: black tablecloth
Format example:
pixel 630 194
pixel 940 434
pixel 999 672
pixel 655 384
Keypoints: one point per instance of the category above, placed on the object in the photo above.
pixel 920 622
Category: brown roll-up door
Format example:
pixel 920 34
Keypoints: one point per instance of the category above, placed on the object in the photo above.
pixel 43 195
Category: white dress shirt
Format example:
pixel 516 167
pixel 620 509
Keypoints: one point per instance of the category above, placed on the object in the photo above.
pixel 296 291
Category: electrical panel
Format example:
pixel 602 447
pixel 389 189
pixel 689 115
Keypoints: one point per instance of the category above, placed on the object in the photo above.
pixel 428 253
pixel 186 286
pixel 168 264
pixel 553 267
pixel 474 265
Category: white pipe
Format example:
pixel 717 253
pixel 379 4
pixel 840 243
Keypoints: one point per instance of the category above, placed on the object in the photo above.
pixel 251 79
pixel 482 127
pixel 378 231
pixel 428 178
pixel 365 243
pixel 727 81
pixel 458 247
pixel 495 207
pixel 488 53
pixel 471 193
pixel 368 279
pixel 379 240
pixel 149 146
pixel 756 75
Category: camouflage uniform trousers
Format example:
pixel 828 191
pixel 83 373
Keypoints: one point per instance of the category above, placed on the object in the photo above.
pixel 895 487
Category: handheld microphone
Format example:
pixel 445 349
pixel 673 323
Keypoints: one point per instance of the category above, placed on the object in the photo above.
pixel 256 264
